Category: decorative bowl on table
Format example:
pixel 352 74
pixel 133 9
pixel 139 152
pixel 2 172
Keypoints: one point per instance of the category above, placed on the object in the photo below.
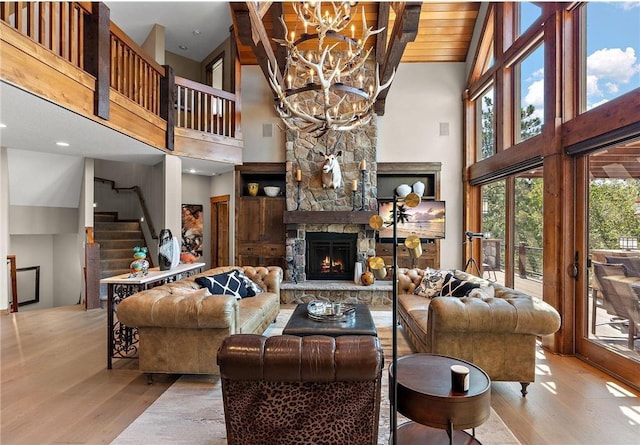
pixel 328 311
pixel 271 191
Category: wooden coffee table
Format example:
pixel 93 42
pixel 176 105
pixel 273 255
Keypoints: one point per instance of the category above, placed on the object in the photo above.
pixel 439 414
pixel 360 324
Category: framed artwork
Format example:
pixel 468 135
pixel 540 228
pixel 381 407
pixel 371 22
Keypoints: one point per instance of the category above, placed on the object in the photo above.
pixel 192 227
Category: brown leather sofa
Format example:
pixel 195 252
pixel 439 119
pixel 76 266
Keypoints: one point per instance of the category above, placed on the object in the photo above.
pixel 181 329
pixel 285 390
pixel 498 333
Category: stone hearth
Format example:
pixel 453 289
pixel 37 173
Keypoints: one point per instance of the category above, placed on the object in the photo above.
pixel 378 294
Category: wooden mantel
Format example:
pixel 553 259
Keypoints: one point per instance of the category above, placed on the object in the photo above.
pixel 328 217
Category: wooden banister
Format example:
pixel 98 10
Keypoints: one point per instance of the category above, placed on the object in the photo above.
pixel 57 26
pixel 203 108
pixel 143 203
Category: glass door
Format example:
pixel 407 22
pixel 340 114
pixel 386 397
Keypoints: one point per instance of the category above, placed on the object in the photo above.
pixel 609 334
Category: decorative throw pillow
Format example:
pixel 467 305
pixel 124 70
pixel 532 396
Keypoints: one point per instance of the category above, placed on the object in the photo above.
pixel 482 292
pixel 253 288
pixel 227 283
pixel 430 284
pixel 454 287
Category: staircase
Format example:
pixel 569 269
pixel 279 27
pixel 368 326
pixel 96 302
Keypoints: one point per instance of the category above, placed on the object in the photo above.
pixel 117 240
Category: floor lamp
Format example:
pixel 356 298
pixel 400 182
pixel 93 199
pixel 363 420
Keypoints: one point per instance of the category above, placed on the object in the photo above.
pixel 376 223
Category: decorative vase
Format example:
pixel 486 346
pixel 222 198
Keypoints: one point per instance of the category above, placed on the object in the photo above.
pixel 418 188
pixel 139 266
pixel 357 272
pixel 165 249
pixel 367 278
pixel 253 188
pixel 403 190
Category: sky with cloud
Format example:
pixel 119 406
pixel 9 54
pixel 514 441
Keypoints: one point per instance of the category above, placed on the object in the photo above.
pixel 613 55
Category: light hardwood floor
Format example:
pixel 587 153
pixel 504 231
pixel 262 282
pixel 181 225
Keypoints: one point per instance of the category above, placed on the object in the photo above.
pixel 56 389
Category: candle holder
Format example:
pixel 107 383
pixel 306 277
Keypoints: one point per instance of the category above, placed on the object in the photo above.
pixel 353 200
pixel 364 192
pixel 298 198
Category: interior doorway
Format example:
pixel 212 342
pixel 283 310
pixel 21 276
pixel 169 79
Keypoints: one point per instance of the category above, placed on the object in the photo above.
pixel 219 230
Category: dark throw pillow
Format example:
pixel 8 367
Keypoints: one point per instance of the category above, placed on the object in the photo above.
pixel 253 288
pixel 453 287
pixel 227 283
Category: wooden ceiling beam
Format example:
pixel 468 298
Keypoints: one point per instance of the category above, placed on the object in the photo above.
pixel 250 31
pixel 405 30
pixel 262 8
pixel 277 11
pixel 383 23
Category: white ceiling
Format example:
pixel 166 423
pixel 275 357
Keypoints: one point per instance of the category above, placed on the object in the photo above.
pixel 211 19
pixel 36 125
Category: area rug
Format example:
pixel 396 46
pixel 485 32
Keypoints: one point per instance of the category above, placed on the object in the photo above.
pixel 190 412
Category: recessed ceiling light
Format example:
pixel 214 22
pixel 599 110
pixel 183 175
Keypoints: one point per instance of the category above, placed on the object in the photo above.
pixel 183 47
pixel 3 125
pixel 62 144
pixel 197 32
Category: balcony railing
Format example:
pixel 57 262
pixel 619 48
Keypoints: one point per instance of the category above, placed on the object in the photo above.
pixel 133 74
pixel 68 29
pixel 57 26
pixel 204 108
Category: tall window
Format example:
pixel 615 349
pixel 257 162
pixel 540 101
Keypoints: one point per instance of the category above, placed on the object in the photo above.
pixel 527 14
pixel 612 51
pixel 484 110
pixel 493 226
pixel 528 224
pixel 530 92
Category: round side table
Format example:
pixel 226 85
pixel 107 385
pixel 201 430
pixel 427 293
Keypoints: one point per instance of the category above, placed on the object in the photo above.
pixel 439 414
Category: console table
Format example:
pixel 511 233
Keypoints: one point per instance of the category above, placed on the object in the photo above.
pixel 122 340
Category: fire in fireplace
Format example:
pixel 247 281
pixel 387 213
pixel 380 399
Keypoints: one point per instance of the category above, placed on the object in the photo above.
pixel 330 256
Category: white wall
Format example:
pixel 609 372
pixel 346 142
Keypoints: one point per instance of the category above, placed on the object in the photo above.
pixel 44 179
pixel 195 190
pixel 60 268
pixel 5 280
pixel 422 97
pixel 257 110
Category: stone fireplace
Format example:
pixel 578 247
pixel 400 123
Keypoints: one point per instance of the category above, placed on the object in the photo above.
pixel 330 256
pixel 312 209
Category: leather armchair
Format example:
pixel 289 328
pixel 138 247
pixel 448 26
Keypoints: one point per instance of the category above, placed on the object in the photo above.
pixel 301 390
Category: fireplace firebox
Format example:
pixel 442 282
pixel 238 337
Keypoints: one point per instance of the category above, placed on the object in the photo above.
pixel 330 256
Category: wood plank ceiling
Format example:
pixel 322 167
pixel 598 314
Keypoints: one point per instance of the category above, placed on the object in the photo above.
pixel 413 32
pixel 443 35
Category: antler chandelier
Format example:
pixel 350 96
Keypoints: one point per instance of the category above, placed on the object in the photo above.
pixel 324 86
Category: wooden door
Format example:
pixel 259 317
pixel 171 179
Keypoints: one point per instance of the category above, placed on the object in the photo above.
pixel 273 230
pixel 249 219
pixel 219 231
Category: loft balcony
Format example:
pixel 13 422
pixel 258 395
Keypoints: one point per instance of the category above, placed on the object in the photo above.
pixel 71 54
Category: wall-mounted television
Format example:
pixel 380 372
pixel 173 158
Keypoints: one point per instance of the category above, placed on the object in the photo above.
pixel 426 220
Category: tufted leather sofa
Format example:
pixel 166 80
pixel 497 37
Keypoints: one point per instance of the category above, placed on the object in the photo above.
pixel 180 329
pixel 497 334
pixel 285 389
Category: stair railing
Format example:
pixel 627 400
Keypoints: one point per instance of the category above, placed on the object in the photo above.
pixel 143 205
